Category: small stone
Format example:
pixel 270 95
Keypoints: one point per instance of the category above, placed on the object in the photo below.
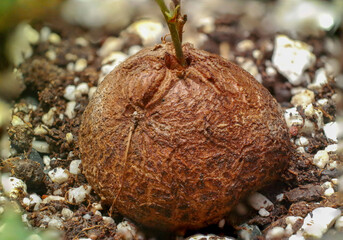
pixel 280 197
pixel 331 131
pixel 70 110
pixel 51 55
pixel 52 198
pixel 296 237
pixel 40 130
pixel 69 137
pixel 46 160
pixel 111 44
pixel 221 223
pixel 32 201
pixel 245 45
pixel 48 118
pixel 293 224
pixel 74 167
pixel 78 195
pixel 58 175
pixel 334 181
pixel 108 220
pixel 67 213
pixel 91 92
pixel 320 80
pixel 149 31
pixel 326 185
pixel 303 98
pixel 258 201
pixel 208 237
pixel 293 117
pixel 331 148
pixel 81 41
pixel 41 146
pixel 126 230
pixel 275 233
pixel 69 92
pixel 271 71
pixel 81 89
pixel 97 206
pixel 54 38
pixel 339 224
pixel 44 34
pixel 134 49
pixel 249 232
pixel 263 212
pixel 328 192
pixel 321 159
pixel 319 221
pixel 56 223
pixel 257 54
pixel 80 65
pixel 13 187
pixel 87 216
pixel 17 121
pixel 292 58
pixel 97 213
pixel 302 141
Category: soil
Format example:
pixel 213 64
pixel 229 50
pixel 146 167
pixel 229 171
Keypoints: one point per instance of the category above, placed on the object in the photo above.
pixel 46 80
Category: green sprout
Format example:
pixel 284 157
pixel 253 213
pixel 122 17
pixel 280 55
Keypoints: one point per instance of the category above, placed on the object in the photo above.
pixel 175 23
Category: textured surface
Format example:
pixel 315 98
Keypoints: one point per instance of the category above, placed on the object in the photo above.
pixel 176 148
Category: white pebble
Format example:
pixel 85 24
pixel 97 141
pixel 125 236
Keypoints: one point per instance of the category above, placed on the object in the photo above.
pixel 69 137
pixel 55 223
pixel 331 148
pixel 91 92
pixel 58 175
pixel 319 221
pixel 323 102
pixel 87 216
pixel 13 187
pixel 315 115
pixel 97 206
pixel 126 229
pixel 331 130
pixel 48 118
pixel 67 213
pixel 291 221
pixel 302 141
pixel 54 38
pixel 296 237
pixel 81 89
pixel 271 71
pixel 40 146
pixel 320 80
pixel 326 185
pixel 245 45
pixel 78 195
pixel 44 34
pixel 339 224
pixel 321 158
pixel 69 92
pixel 17 121
pixel 74 167
pixel 70 110
pixel 292 58
pixel 257 54
pixel 53 198
pixel 263 212
pixel 280 197
pixel 221 223
pixel 332 165
pixel 258 201
pixel 149 31
pixel 97 213
pixel 111 44
pixel 303 98
pixel 80 65
pixel 108 220
pixel 328 192
pixel 208 237
pixel 134 49
pixel 32 201
pixel 81 41
pixel 46 160
pixel 41 129
pixel 334 181
pixel 293 117
pixel 275 233
pixel 51 55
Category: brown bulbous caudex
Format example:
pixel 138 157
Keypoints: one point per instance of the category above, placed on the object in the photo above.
pixel 176 148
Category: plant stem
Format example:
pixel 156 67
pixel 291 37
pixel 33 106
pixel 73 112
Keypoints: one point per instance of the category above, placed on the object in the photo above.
pixel 173 20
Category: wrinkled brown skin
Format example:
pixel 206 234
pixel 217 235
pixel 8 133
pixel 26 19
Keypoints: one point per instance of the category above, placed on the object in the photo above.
pixel 198 138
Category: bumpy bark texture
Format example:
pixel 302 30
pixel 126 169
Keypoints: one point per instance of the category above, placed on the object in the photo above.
pixel 176 148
